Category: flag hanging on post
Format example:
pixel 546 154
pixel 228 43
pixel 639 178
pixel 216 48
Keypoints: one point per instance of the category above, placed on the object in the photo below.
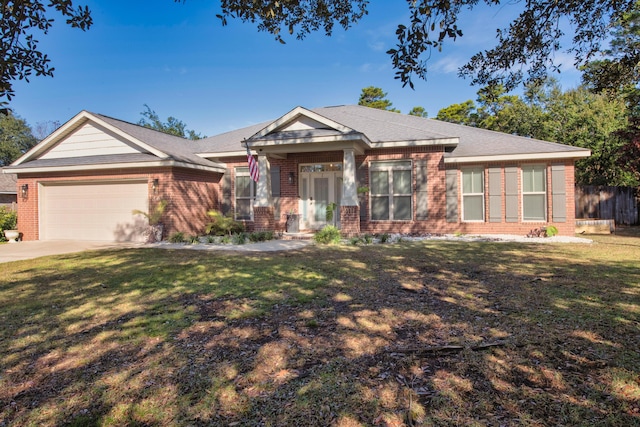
pixel 254 172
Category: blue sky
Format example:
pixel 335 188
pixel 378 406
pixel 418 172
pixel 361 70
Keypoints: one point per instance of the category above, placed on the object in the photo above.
pixel 179 59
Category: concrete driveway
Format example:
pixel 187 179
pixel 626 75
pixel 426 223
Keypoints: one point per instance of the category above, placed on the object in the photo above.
pixel 34 249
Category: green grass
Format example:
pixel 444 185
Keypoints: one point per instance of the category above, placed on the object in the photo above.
pixel 329 335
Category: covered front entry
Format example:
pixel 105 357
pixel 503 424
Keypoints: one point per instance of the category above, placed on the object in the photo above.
pixel 320 191
pixel 94 210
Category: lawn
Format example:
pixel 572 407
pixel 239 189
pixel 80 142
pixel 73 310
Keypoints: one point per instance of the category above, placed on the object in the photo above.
pixel 414 333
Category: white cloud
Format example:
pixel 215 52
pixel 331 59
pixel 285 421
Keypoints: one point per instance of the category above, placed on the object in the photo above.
pixel 448 65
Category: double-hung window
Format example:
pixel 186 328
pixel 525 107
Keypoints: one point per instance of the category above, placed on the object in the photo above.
pixel 244 194
pixel 391 190
pixel 473 194
pixel 534 193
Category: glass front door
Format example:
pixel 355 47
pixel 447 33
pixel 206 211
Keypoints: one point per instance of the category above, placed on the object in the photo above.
pixel 320 192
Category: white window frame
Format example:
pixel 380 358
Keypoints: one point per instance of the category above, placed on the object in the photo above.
pixel 243 172
pixel 390 166
pixel 524 168
pixel 480 170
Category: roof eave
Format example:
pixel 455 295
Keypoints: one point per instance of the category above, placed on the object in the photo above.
pixel 578 154
pixel 219 167
pixel 451 142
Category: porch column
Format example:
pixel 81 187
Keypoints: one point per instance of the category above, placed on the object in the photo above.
pixel 349 190
pixel 263 206
pixel 349 208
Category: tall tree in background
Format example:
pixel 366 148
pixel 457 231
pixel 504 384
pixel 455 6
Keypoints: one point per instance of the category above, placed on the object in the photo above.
pixel 576 117
pixel 15 138
pixel 375 97
pixel 461 114
pixel 418 112
pixel 172 126
pixel 21 21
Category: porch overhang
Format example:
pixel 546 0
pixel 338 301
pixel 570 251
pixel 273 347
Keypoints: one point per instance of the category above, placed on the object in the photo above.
pixel 310 143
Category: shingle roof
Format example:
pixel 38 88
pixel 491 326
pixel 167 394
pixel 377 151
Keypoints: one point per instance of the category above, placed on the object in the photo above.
pixel 8 183
pixel 177 148
pixel 381 126
pixel 89 160
pixel 229 141
pixel 385 126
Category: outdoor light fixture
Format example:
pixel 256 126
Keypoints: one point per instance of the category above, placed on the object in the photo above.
pixel 24 190
pixel 292 178
pixel 154 185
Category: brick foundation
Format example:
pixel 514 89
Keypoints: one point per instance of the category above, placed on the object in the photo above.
pixel 263 218
pixel 350 220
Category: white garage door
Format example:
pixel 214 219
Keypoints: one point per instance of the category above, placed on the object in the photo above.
pixel 93 211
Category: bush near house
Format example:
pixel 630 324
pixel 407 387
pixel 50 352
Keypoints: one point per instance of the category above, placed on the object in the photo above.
pixel 223 225
pixel 8 221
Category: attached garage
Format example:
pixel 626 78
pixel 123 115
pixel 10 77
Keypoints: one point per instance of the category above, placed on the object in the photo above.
pixel 93 211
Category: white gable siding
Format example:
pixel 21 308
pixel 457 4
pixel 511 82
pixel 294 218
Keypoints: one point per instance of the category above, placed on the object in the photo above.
pixel 303 123
pixel 89 140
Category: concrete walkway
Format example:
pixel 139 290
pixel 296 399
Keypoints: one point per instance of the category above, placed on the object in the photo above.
pixel 35 249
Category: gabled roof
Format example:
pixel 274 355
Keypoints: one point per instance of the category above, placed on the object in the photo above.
pixel 8 183
pixel 365 128
pixel 146 147
pixel 381 129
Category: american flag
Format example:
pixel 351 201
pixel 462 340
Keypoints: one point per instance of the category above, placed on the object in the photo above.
pixel 254 172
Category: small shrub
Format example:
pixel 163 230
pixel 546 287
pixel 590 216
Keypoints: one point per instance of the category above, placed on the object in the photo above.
pixel 8 221
pixel 225 240
pixel 260 236
pixel 355 241
pixel 154 216
pixel 384 238
pixel 240 238
pixel 328 235
pixel 177 237
pixel 551 231
pixel 368 239
pixel 211 239
pixel 193 240
pixel 223 224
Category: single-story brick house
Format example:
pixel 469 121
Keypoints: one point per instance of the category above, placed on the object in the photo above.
pixel 8 190
pixel 386 172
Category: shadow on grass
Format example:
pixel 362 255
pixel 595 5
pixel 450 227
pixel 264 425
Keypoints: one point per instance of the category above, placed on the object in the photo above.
pixel 324 336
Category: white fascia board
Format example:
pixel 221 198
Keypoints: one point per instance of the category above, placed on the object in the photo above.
pixel 222 154
pixel 292 115
pixel 418 143
pixel 161 163
pixel 310 140
pixel 514 157
pixel 74 123
pixel 8 192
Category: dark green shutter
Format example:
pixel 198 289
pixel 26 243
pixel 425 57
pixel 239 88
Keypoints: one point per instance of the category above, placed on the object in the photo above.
pixel 275 191
pixel 361 181
pixel 559 193
pixel 225 205
pixel 452 195
pixel 511 193
pixel 422 212
pixel 495 194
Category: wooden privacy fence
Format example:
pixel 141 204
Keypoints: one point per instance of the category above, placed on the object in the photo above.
pixel 603 202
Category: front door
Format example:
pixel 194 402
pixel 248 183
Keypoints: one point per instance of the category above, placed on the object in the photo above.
pixel 320 191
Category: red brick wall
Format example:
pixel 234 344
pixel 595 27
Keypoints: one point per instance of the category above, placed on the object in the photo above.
pixel 190 194
pixel 350 220
pixel 436 222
